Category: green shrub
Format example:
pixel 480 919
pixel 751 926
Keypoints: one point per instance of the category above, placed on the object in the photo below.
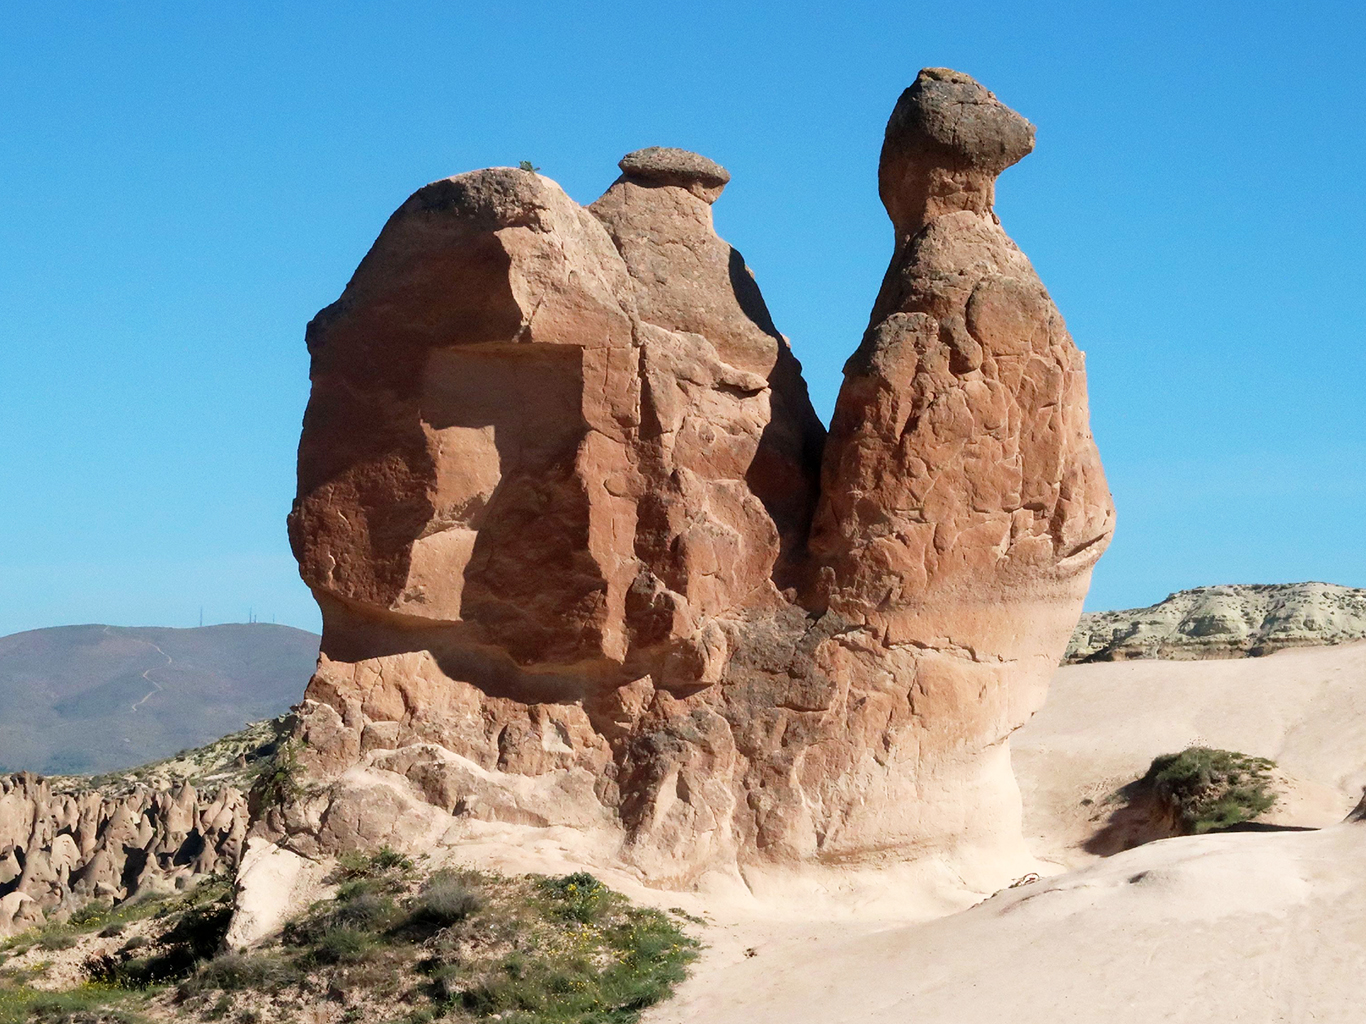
pixel 281 780
pixel 81 1004
pixel 531 951
pixel 351 864
pixel 446 982
pixel 1209 789
pixel 194 935
pixel 94 912
pixel 56 937
pixel 341 945
pixel 367 911
pixel 577 897
pixel 387 858
pixel 355 865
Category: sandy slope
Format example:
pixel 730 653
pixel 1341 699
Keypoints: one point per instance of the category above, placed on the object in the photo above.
pixel 1103 723
pixel 1263 926
pixel 1241 927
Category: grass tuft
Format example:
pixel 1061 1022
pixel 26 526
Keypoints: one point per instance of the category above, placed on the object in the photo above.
pixel 446 899
pixel 234 972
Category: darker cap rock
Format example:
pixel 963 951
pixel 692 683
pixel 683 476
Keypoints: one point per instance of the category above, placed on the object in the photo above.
pixel 951 115
pixel 662 165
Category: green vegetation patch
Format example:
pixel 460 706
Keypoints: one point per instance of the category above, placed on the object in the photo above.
pixel 460 946
pixel 89 1002
pixel 1211 789
pixel 280 779
pixel 189 930
pixel 393 943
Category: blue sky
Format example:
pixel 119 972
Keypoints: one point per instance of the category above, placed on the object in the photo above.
pixel 182 185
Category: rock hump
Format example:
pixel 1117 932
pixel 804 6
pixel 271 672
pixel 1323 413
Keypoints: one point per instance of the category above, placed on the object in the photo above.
pixel 586 556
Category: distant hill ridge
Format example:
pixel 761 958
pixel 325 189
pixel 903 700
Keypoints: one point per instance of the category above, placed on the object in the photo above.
pixel 94 698
pixel 1233 621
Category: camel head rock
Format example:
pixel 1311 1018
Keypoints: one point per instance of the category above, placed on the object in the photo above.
pixel 586 556
pixel 947 141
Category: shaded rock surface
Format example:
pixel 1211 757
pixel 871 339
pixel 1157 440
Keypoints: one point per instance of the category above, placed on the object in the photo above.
pixel 1232 621
pixel 586 556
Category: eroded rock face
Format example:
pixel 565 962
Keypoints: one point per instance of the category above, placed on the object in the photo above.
pixel 89 844
pixel 586 557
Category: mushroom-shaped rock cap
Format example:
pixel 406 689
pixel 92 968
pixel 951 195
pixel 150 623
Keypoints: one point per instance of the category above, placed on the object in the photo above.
pixel 947 140
pixel 952 113
pixel 662 165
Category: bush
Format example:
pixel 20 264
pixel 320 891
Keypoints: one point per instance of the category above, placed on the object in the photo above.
pixel 92 913
pixel 233 972
pixel 354 865
pixel 56 938
pixel 368 911
pixel 1210 789
pixel 446 982
pixel 351 864
pixel 281 780
pixel 194 935
pixel 387 858
pixel 342 946
pixel 86 1003
pixel 445 900
pixel 577 897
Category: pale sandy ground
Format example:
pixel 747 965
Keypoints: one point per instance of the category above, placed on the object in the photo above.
pixel 1103 724
pixel 1264 927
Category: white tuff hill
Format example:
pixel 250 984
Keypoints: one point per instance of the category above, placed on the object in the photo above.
pixel 1239 620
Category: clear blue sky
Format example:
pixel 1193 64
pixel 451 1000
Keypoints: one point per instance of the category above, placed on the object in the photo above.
pixel 182 185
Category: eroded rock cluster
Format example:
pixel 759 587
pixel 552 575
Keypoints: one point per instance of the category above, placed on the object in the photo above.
pixel 58 849
pixel 586 555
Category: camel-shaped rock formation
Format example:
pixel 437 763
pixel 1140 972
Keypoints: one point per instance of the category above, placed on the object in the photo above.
pixel 587 557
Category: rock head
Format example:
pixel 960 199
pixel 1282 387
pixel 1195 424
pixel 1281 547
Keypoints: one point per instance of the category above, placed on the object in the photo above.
pixel 661 165
pixel 586 556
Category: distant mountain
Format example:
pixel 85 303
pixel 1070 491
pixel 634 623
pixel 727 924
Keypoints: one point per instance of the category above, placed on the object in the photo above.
pixel 86 699
pixel 1235 621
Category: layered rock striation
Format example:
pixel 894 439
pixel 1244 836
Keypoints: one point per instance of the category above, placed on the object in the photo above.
pixel 1231 621
pixel 61 847
pixel 586 555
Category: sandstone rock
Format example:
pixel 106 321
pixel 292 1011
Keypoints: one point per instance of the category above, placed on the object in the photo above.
pixel 660 165
pixel 271 884
pixel 18 912
pixel 1232 621
pixel 84 843
pixel 570 517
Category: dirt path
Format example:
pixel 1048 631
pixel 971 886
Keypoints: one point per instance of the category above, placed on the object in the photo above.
pixel 156 687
